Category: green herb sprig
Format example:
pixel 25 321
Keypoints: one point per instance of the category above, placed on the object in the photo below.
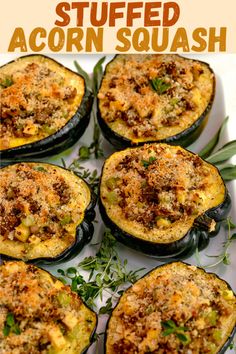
pixel 7 82
pixel 171 328
pixel 223 257
pixel 91 177
pixel 106 274
pixel 222 155
pixel 10 325
pixel 94 149
pixel 92 83
pixel 160 85
pixel 232 345
pixel 148 162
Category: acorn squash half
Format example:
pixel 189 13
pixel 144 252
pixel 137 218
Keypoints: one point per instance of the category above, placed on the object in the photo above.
pixel 46 212
pixel 39 314
pixel 176 308
pixel 154 98
pixel 45 107
pixel 162 200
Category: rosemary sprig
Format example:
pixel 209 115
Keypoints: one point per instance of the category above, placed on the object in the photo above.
pixel 223 257
pixel 106 274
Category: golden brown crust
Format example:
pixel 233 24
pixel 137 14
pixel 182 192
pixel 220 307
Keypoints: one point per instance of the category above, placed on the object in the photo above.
pixel 152 96
pixel 48 316
pixel 40 204
pixel 37 98
pixel 156 188
pixel 200 305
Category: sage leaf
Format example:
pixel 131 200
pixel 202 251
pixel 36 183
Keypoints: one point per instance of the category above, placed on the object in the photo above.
pixel 97 74
pixel 184 338
pixel 167 332
pixel 87 78
pixel 225 153
pixel 168 324
pixel 160 85
pixel 207 150
pixel 228 173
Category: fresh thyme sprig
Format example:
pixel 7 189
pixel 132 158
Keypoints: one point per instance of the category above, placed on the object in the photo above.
pixel 232 345
pixel 94 149
pixel 91 177
pixel 106 274
pixel 223 257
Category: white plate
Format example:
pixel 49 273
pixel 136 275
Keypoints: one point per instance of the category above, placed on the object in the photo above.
pixel 224 65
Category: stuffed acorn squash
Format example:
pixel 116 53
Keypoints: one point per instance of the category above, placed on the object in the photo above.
pixel 45 107
pixel 46 212
pixel 162 200
pixel 153 97
pixel 40 315
pixel 176 308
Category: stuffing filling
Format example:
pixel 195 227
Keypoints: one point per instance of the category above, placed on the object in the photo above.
pixel 36 100
pixel 152 97
pixel 174 309
pixel 40 203
pixel 155 187
pixel 38 314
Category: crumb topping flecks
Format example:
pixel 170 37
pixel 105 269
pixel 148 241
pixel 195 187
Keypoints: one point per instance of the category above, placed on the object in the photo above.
pixel 174 309
pixel 151 97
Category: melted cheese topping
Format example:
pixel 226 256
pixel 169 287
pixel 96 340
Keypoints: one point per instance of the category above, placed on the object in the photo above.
pixel 152 97
pixel 200 306
pixel 38 97
pixel 48 317
pixel 157 191
pixel 41 207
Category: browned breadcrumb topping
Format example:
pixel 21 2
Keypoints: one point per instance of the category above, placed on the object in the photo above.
pixel 38 203
pixel 35 101
pixel 199 303
pixel 158 185
pixel 47 313
pixel 152 97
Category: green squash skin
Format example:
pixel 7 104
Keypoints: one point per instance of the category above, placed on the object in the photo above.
pixel 184 138
pixel 198 235
pixel 59 141
pixel 227 342
pixel 84 234
pixel 181 249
